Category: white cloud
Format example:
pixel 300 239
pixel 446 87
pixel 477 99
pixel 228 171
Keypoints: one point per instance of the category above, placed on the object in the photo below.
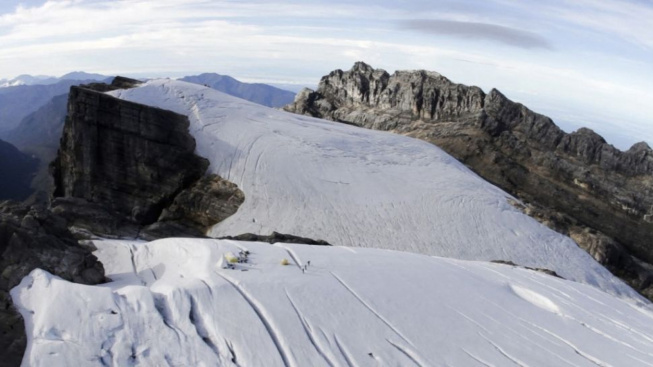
pixel 302 41
pixel 630 20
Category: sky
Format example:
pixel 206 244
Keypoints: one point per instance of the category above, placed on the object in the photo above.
pixel 581 62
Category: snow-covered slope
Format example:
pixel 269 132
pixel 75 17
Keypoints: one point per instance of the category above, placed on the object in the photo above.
pixel 360 188
pixel 173 304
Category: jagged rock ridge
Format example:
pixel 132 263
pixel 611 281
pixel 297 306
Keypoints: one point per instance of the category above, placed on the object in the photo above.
pixel 592 187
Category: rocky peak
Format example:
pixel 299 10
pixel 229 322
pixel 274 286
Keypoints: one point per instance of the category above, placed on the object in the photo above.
pixel 361 67
pixel 386 102
pixel 359 85
pixel 584 144
pixel 590 134
pixel 640 158
pixel 425 95
pixel 518 120
pixel 421 77
pixel 640 149
pixel 121 82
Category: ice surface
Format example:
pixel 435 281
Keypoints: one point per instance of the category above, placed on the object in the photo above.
pixel 176 305
pixel 361 188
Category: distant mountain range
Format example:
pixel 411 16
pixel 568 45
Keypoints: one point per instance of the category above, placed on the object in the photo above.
pixel 47 80
pixel 263 94
pixel 19 101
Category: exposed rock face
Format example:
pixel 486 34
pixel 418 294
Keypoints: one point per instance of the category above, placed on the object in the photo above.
pixel 129 170
pixel 87 219
pixel 132 159
pixel 615 258
pixel 33 238
pixel 584 180
pixel 208 201
pixel 541 270
pixel 276 237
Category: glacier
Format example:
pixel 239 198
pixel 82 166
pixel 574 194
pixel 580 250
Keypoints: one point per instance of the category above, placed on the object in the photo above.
pixel 408 282
pixel 172 303
pixel 360 188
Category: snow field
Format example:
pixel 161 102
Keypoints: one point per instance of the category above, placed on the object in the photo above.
pixel 172 304
pixel 361 188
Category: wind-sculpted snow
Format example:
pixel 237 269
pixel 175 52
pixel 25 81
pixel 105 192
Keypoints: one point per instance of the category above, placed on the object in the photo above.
pixel 173 303
pixel 360 188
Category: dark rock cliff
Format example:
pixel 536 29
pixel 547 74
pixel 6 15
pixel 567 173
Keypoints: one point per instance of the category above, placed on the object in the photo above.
pixel 30 238
pixel 39 133
pixel 129 170
pixel 576 183
pixel 208 201
pixel 131 158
